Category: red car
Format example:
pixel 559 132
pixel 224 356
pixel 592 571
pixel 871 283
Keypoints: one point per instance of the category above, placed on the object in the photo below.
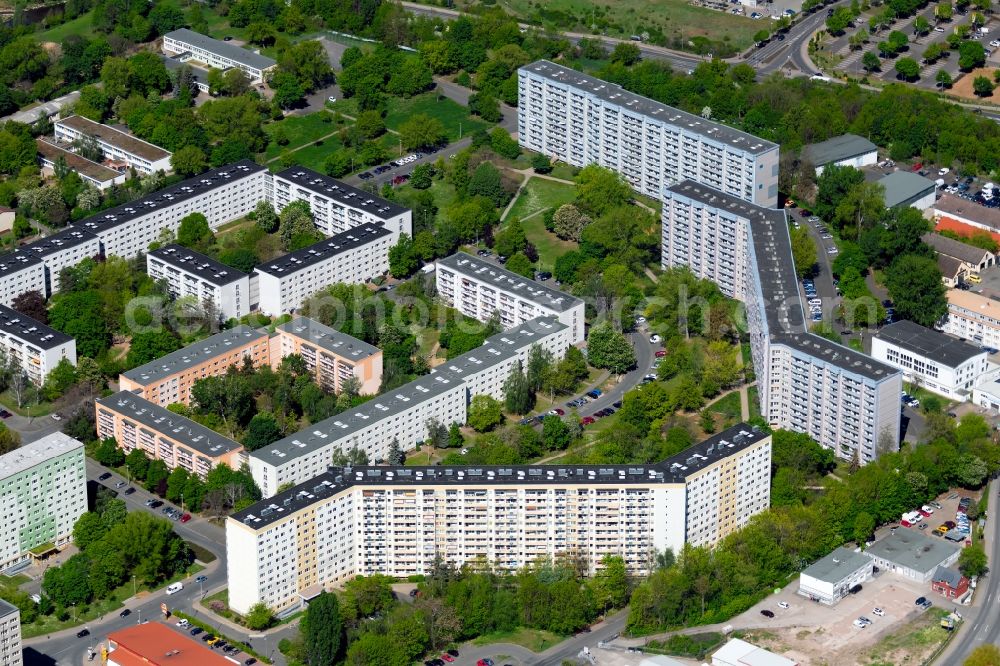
pixel 906 523
pixel 917 167
pixel 660 353
pixel 587 420
pixel 186 517
pixel 447 657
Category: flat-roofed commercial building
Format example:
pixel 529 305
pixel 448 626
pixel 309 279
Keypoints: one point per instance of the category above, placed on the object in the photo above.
pixel 352 257
pixel 118 147
pixel 60 250
pixel 583 120
pixel 34 346
pixel 10 635
pixel 92 173
pixel 43 489
pixel 221 195
pixel 336 206
pixel 911 554
pixel 190 273
pixel 903 188
pixel 738 652
pixel 931 359
pixel 974 317
pixel 844 150
pixel 159 644
pixel 333 357
pixel 481 289
pixel 169 379
pixel 20 271
pixel 187 45
pixel 178 441
pixel 829 579
pixel 844 399
pixel 398 520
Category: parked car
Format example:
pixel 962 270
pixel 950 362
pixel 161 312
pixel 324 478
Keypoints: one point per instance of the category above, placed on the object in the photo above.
pixel 129 490
pixel 660 353
pixel 83 632
pixel 104 477
pixel 878 612
pixel 186 517
pixel 783 604
pixel 767 613
pixel 125 613
pixel 4 414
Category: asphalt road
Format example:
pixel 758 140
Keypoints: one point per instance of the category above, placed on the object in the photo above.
pixel 65 648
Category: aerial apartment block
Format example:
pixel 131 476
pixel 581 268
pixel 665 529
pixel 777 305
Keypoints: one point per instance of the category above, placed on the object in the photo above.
pixel 336 206
pixel 352 257
pixel 481 289
pixel 20 271
pixel 187 45
pixel 223 194
pixel 402 415
pixel 120 149
pixel 973 316
pixel 845 400
pixel 397 521
pixel 169 379
pixel 10 635
pixel 92 173
pixel 582 120
pixel 136 423
pixel 60 250
pixel 333 357
pixel 43 486
pixel 34 346
pixel 190 273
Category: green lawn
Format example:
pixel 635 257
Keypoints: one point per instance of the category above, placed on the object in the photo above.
pixel 729 406
pixel 536 197
pixel 535 640
pixel 453 116
pixel 299 130
pixel 82 25
pixel 35 410
pixel 754 399
pixel 313 156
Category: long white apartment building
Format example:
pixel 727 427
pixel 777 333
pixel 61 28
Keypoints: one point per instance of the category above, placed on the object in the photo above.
pixel 223 194
pixel 583 120
pixel 397 521
pixel 120 149
pixel 935 361
pixel 336 206
pixel 402 415
pixel 481 289
pixel 11 653
pixel 188 45
pixel 60 250
pixel 35 347
pixel 354 256
pixel 20 271
pixel 845 400
pixel 190 273
pixel 43 489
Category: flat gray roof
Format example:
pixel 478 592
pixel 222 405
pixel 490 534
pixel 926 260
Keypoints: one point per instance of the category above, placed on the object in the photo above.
pixel 835 354
pixel 672 470
pixel 329 338
pixel 501 346
pixel 208 269
pixel 127 142
pixel 837 566
pixel 843 147
pixel 194 354
pixel 910 549
pixel 78 163
pixel 319 252
pixel 35 453
pixel 341 192
pixel 902 187
pixel 59 241
pixel 929 343
pixel 177 427
pixel 16 261
pixel 30 330
pixel 644 106
pixel 7 608
pixel 956 249
pixel 200 75
pixel 950 205
pixel 508 281
pixel 221 48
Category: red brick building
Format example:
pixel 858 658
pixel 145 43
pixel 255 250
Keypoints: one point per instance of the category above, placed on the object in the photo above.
pixel 949 583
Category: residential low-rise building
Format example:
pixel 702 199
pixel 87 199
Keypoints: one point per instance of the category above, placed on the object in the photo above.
pixel 169 379
pixel 188 45
pixel 905 188
pixel 973 316
pixel 199 74
pixel 159 644
pixel 844 150
pixel 222 194
pixel 398 521
pixel 931 359
pixel 61 250
pixel 333 357
pixel 20 271
pixel 336 206
pixel 969 213
pixel 830 578
pixel 119 148
pixel 10 635
pixel 224 289
pixel 35 347
pixel 949 583
pixel 913 555
pixel 354 256
pixel 43 488
pixel 482 289
pixel 958 260
pixel 97 175
pixel 178 441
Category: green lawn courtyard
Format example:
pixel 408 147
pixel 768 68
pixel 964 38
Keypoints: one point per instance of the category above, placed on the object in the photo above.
pixel 453 116
pixel 538 196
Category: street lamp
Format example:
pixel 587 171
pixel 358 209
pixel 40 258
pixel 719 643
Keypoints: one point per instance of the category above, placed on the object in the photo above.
pixel 133 586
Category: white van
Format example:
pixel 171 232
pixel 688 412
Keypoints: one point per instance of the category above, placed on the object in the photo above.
pixel 174 588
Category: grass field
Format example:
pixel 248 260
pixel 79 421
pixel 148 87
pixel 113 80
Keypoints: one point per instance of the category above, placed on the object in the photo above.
pixel 453 116
pixel 82 25
pixel 535 640
pixel 679 20
pixel 299 130
pixel 754 399
pixel 536 197
pixel 729 406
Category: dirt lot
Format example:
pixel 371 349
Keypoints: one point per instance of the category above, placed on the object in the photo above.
pixel 963 87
